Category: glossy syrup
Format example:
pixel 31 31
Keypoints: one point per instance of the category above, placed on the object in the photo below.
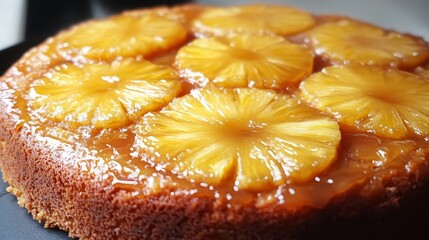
pixel 112 156
pixel 360 157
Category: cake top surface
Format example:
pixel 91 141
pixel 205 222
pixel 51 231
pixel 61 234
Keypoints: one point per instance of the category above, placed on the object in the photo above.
pixel 258 103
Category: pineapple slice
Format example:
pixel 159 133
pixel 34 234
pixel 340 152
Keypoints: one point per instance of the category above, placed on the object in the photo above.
pixel 253 19
pixel 103 95
pixel 123 36
pixel 244 60
pixel 257 138
pixel 346 42
pixel 389 103
pixel 184 14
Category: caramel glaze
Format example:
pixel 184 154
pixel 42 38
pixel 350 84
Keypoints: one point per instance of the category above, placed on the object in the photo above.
pixel 110 152
pixel 361 156
pixel 355 164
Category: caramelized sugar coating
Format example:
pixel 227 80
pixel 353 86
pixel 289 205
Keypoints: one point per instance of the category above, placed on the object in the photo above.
pixel 103 95
pixel 110 136
pixel 244 61
pixel 256 138
pixel 389 103
pixel 252 19
pixel 122 36
pixel 352 42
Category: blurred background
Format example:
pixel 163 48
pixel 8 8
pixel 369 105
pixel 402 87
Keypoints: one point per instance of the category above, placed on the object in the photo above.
pixel 36 19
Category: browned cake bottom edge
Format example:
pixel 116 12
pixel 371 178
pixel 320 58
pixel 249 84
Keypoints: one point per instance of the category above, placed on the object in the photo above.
pixel 59 197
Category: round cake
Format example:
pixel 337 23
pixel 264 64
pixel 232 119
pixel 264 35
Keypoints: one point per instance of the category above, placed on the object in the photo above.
pixel 244 122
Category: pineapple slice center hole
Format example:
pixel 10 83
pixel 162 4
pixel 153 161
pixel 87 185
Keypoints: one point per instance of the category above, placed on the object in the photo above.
pixel 240 130
pixel 101 83
pixel 129 29
pixel 384 96
pixel 244 54
pixel 366 41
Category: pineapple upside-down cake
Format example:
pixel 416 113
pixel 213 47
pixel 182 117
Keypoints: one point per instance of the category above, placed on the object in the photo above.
pixel 192 122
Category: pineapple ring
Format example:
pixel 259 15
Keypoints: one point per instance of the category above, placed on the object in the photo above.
pixel 244 61
pixel 256 137
pixel 347 42
pixel 123 36
pixel 253 19
pixel 103 95
pixel 389 103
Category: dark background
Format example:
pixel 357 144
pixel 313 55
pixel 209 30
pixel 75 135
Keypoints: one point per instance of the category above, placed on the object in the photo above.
pixel 45 18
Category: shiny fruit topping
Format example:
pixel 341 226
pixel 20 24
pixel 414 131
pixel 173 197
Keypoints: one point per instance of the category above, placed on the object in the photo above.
pixel 389 103
pixel 256 139
pixel 103 95
pixel 244 61
pixel 122 36
pixel 348 42
pixel 253 19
